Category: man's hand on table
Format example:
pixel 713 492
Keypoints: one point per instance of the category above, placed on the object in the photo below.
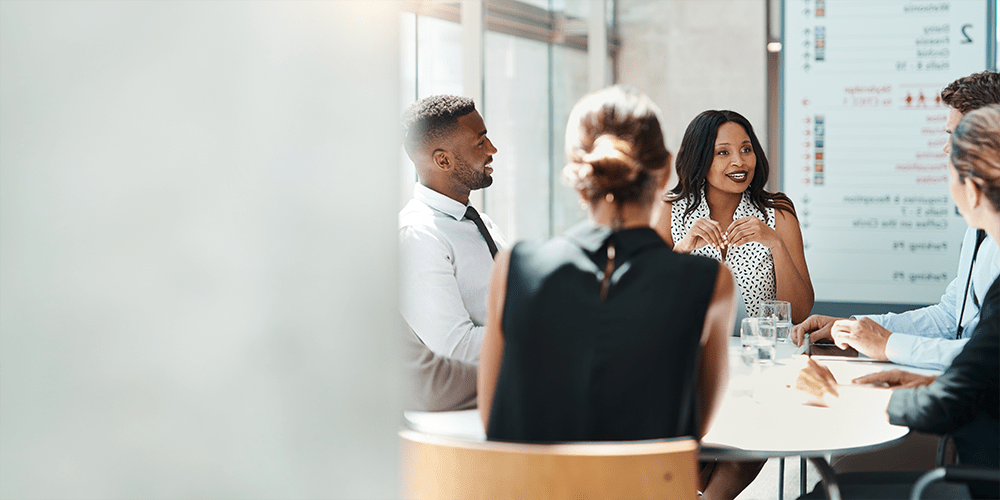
pixel 896 379
pixel 817 326
pixel 864 335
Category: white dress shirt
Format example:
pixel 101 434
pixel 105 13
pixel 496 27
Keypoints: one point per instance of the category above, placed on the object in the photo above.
pixel 925 337
pixel 445 268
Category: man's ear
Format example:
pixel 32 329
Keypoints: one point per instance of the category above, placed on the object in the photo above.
pixel 442 159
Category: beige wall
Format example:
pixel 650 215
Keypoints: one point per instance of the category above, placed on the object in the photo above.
pixel 693 55
pixel 197 250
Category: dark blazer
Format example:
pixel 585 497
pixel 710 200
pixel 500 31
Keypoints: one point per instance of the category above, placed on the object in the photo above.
pixel 965 400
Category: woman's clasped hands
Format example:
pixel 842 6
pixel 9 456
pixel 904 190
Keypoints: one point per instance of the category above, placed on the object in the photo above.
pixel 703 232
pixel 752 229
pixel 706 231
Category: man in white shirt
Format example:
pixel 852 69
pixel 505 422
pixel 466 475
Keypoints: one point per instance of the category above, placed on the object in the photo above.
pixel 929 337
pixel 446 256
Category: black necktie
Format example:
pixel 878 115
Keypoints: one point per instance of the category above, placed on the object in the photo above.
pixel 980 236
pixel 473 215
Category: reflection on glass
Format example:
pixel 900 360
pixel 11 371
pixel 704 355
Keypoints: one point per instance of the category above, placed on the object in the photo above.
pixel 407 94
pixel 430 63
pixel 517 116
pixel 569 84
pixel 529 89
pixel 439 57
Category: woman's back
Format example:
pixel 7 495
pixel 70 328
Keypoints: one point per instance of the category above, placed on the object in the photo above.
pixel 576 367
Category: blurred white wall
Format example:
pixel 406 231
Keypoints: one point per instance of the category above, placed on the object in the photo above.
pixel 197 249
pixel 693 55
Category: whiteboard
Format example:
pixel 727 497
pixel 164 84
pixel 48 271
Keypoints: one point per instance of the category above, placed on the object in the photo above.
pixel 861 136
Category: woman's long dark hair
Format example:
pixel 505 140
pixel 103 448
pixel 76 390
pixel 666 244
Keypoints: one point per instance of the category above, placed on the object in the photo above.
pixel 694 160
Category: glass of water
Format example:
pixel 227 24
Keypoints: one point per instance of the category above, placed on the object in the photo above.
pixel 781 312
pixel 758 334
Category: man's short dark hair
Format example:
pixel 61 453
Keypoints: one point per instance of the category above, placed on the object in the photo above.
pixel 973 92
pixel 433 117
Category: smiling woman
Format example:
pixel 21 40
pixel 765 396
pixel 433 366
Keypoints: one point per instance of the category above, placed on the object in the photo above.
pixel 720 209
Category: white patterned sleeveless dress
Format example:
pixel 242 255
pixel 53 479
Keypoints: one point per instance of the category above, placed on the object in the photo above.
pixel 752 263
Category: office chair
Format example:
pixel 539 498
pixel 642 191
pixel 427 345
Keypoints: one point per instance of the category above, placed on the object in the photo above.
pixel 951 482
pixel 954 474
pixel 440 467
pixel 949 472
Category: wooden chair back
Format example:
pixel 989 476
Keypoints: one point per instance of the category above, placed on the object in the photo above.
pixel 440 467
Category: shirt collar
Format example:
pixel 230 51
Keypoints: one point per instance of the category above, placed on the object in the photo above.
pixel 588 235
pixel 593 237
pixel 438 201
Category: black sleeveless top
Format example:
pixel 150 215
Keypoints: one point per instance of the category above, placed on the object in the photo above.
pixel 576 368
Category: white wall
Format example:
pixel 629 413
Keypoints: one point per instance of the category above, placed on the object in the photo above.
pixel 197 249
pixel 693 55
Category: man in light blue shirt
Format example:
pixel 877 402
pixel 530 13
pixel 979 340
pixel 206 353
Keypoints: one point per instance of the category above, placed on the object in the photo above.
pixel 929 337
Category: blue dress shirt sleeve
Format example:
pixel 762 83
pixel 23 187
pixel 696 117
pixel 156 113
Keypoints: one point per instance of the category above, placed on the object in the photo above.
pixel 923 352
pixel 926 337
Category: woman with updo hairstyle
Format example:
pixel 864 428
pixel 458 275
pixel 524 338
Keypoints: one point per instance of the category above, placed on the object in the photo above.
pixel 720 209
pixel 604 333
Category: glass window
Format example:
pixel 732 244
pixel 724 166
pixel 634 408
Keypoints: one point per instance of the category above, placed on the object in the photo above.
pixel 407 94
pixel 430 63
pixel 530 86
pixel 541 4
pixel 569 83
pixel 574 8
pixel 439 57
pixel 516 111
pixel 407 58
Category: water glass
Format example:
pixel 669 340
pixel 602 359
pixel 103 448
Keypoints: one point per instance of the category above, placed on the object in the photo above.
pixel 743 372
pixel 758 334
pixel 781 312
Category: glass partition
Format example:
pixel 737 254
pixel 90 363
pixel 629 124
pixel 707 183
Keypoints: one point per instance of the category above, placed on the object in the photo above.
pixel 569 84
pixel 534 70
pixel 430 63
pixel 517 110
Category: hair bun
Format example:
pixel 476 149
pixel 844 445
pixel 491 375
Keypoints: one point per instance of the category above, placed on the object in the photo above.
pixel 610 163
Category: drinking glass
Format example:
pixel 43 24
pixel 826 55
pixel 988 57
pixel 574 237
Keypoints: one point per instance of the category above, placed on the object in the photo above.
pixel 743 372
pixel 758 334
pixel 781 312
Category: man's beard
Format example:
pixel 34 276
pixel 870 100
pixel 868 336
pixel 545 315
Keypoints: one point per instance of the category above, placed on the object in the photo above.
pixel 470 177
